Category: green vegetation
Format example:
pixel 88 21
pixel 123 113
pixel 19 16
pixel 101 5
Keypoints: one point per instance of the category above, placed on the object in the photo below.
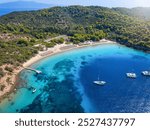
pixel 139 12
pixel 77 38
pixel 14 53
pixel 20 31
pixel 48 45
pixel 80 20
pixel 22 43
pixel 57 41
pixel 9 69
pixel 1 73
pixel 2 87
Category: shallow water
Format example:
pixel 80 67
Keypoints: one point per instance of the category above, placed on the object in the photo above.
pixel 66 82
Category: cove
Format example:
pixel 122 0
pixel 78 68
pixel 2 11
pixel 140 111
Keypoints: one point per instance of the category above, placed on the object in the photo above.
pixel 66 82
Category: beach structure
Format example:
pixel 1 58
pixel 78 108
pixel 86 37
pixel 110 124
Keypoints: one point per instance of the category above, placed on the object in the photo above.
pixel 36 71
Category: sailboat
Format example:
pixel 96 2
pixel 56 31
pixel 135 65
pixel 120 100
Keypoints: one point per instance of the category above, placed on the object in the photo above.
pixel 99 82
pixel 146 73
pixel 131 75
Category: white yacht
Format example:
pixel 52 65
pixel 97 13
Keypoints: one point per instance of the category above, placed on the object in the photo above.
pixel 131 75
pixel 99 82
pixel 146 73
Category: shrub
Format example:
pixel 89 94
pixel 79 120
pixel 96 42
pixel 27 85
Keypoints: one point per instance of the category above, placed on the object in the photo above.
pixel 9 69
pixel 22 43
pixel 1 73
pixel 2 87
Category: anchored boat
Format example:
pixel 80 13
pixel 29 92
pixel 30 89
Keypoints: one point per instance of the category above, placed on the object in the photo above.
pixel 99 82
pixel 131 75
pixel 146 73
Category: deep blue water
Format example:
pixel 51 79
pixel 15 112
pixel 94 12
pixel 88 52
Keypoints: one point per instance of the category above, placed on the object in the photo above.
pixel 66 82
pixel 120 94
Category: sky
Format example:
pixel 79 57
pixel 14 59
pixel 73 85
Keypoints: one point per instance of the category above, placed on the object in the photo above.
pixel 106 3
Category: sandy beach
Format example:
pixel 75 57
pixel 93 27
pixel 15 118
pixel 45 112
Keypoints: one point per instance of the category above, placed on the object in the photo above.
pixel 62 48
pixel 59 48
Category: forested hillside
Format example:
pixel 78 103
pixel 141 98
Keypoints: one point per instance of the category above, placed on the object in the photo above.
pixel 78 20
pixel 139 12
pixel 21 30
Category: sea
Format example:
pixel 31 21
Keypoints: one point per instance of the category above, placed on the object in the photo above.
pixel 66 83
pixel 5 11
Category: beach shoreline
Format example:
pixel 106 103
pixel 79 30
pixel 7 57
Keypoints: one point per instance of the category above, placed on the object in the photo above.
pixel 10 88
pixel 59 49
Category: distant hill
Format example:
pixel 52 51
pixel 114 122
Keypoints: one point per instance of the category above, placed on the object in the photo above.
pixel 6 8
pixel 140 12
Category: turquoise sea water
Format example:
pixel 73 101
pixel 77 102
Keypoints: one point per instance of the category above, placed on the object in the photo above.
pixel 66 82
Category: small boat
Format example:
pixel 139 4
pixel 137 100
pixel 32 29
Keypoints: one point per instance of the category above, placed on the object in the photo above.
pixel 34 90
pixel 38 72
pixel 131 75
pixel 99 82
pixel 146 73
